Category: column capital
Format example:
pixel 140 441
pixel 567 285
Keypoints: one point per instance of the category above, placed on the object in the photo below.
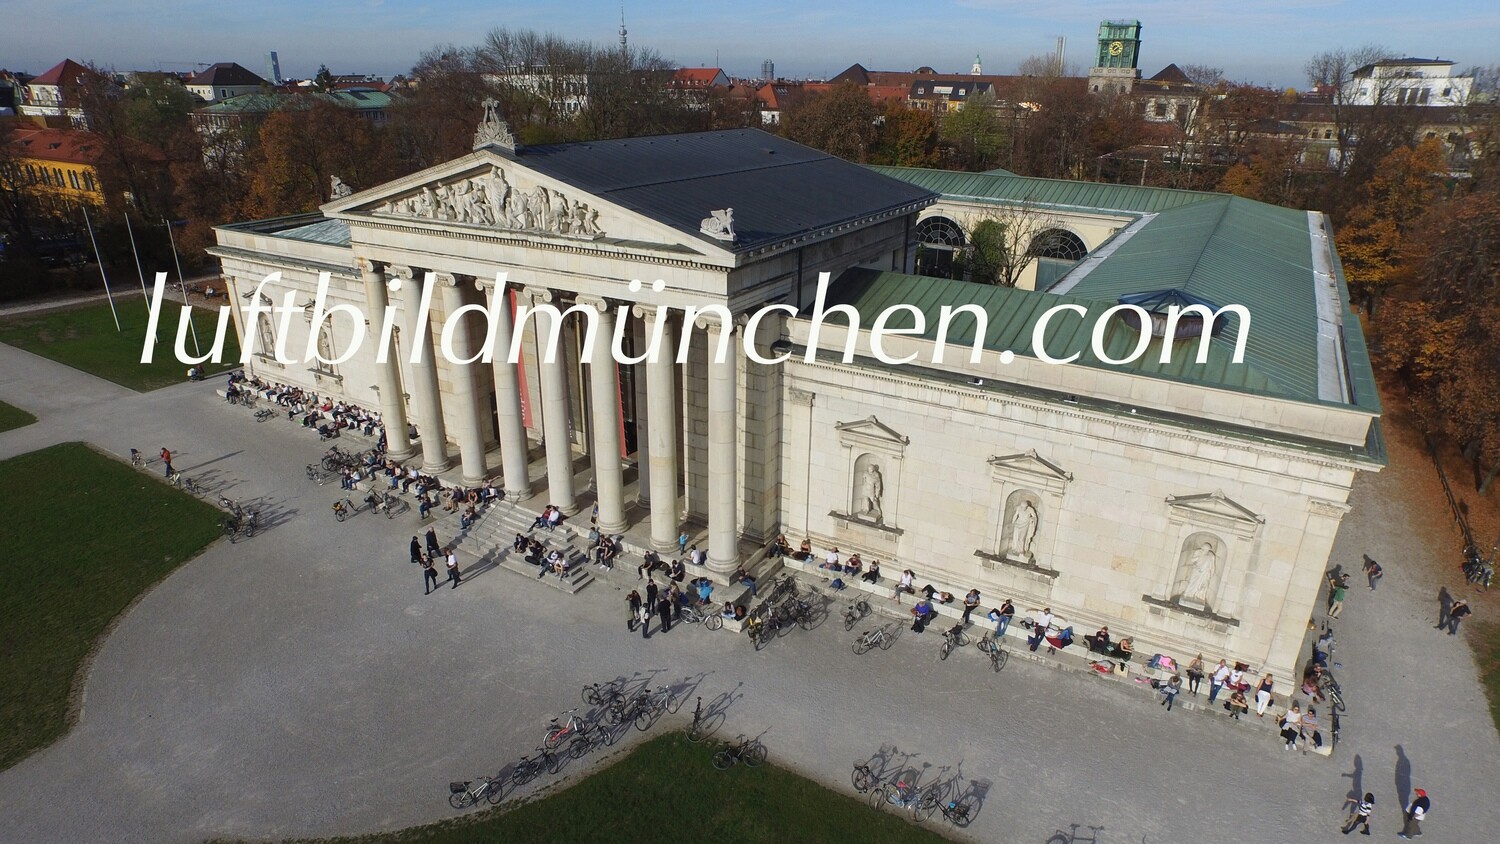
pixel 598 303
pixel 712 324
pixel 369 265
pixel 539 295
pixel 405 271
pixel 448 279
pixel 640 310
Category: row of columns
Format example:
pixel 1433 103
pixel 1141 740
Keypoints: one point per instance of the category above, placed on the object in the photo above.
pixel 662 470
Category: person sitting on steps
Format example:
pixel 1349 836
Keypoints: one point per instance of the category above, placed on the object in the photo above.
pixel 872 574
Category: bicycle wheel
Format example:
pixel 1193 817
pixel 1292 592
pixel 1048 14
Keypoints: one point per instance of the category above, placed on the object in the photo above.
pixel 862 778
pixel 1336 698
pixel 963 810
pixel 998 659
pixel 554 762
pixel 850 619
pixel 524 771
pixel 578 747
pixel 461 799
pixel 985 645
pixel 945 649
pixel 880 797
pixel 764 636
pixel 713 622
pixel 338 514
pixel 723 760
pixel 496 792
pixel 554 737
pixel 924 807
pixel 643 720
pixel 755 754
pixel 591 696
pixel 963 639
pixel 890 638
pixel 695 732
pixel 862 644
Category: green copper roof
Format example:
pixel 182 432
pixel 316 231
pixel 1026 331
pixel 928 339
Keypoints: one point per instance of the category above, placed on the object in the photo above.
pixel 1008 187
pixel 268 102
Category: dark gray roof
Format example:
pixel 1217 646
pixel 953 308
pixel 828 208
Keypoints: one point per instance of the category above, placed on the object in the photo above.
pixel 778 189
pixel 225 73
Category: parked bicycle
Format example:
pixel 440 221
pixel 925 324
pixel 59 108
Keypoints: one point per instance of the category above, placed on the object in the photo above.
pixel 762 628
pixel 855 612
pixel 462 795
pixel 343 509
pixel 263 414
pixel 746 750
pixel 604 694
pixel 706 614
pixel 957 812
pixel 238 524
pixel 954 637
pixel 317 474
pixel 863 778
pixel 1331 690
pixel 882 637
pixel 530 767
pixel 381 502
pixel 697 730
pixel 991 647
pixel 559 733
pixel 136 458
pixel 902 795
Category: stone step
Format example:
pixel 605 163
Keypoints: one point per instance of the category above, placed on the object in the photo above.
pixel 577 576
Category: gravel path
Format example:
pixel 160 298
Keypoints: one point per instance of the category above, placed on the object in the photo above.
pixel 300 683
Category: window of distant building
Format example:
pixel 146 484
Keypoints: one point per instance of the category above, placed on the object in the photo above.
pixel 1160 109
pixel 941 241
pixel 1447 92
pixel 1327 134
pixel 73 179
pixel 88 181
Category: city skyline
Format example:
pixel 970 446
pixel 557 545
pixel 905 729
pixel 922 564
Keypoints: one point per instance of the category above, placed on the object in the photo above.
pixel 1267 45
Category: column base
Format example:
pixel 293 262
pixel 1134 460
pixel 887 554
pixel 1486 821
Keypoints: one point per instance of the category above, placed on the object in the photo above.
pixel 613 528
pixel 402 456
pixel 664 547
pixel 435 468
pixel 569 509
pixel 723 567
pixel 470 483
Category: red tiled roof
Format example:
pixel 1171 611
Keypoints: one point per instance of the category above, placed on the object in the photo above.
pixel 696 76
pixel 67 145
pixel 65 71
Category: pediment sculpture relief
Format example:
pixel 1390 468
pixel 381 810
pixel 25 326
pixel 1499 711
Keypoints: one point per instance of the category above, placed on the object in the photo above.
pixel 490 200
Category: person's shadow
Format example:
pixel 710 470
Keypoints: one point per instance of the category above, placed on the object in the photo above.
pixel 1403 775
pixel 1445 602
pixel 1356 789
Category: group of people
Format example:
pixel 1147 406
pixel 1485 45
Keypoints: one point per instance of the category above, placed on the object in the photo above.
pixel 667 603
pixel 329 417
pixel 428 559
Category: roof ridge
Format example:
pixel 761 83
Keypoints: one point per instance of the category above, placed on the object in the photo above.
pixel 1214 232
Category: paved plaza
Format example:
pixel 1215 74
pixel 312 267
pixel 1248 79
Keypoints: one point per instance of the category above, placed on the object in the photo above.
pixel 300 683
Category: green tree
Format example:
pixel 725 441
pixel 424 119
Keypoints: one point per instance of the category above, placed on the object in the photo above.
pixel 908 138
pixel 323 80
pixel 975 135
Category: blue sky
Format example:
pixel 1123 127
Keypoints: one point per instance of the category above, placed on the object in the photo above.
pixel 1264 41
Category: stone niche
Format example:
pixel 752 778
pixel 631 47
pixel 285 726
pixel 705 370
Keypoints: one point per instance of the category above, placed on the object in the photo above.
pixel 1026 500
pixel 1210 537
pixel 874 455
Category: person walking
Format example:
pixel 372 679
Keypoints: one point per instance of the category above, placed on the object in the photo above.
pixel 453 573
pixel 166 457
pixel 429 575
pixel 1372 571
pixel 1456 613
pixel 433 548
pixel 416 550
pixel 664 610
pixel 1263 695
pixel 1415 814
pixel 1359 815
pixel 1217 679
pixel 1336 606
pixel 1195 674
pixel 633 600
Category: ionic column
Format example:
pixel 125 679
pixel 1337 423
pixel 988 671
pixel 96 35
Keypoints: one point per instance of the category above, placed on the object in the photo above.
pixel 723 444
pixel 469 430
pixel 554 378
pixel 513 446
pixel 604 395
pixel 424 371
pixel 388 372
pixel 661 430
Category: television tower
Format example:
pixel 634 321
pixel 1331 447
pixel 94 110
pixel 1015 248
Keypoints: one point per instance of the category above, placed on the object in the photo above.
pixel 624 45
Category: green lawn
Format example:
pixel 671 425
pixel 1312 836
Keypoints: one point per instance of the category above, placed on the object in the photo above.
pixel 1489 665
pixel 667 786
pixel 85 338
pixel 84 535
pixel 13 417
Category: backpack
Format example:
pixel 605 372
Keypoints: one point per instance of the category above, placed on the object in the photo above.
pixel 837 583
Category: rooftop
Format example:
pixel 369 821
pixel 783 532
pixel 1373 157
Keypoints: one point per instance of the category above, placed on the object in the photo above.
pixel 1002 187
pixel 225 73
pixel 66 70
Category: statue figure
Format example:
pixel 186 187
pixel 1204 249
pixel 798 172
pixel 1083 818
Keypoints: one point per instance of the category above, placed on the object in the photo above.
pixel 720 225
pixel 425 203
pixel 339 190
pixel 871 487
pixel 1200 574
pixel 1022 531
pixel 560 214
pixel 478 204
pixel 499 197
pixel 492 130
pixel 580 218
pixel 592 227
pixel 543 204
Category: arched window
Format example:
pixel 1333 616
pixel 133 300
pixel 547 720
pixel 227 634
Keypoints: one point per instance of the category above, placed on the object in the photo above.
pixel 1056 251
pixel 940 242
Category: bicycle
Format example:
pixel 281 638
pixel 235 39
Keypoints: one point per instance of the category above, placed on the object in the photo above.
pixel 920 802
pixel 958 812
pixel 763 630
pixel 465 794
pixel 557 732
pixel 954 637
pixel 317 474
pixel 697 730
pixel 1333 691
pixel 863 778
pixel 263 414
pixel 652 705
pixel 603 694
pixel 991 646
pixel 694 615
pixel 746 750
pixel 239 523
pixel 530 767
pixel 343 509
pixel 381 502
pixel 882 637
pixel 137 459
pixel 855 612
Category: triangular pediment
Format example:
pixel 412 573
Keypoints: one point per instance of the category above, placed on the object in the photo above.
pixel 1218 504
pixel 870 428
pixel 1031 463
pixel 492 192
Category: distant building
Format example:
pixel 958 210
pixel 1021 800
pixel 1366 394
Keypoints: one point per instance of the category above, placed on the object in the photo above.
pixel 1420 82
pixel 941 96
pixel 1169 97
pixel 1116 65
pixel 768 70
pixel 223 81
pixel 59 167
pixel 46 96
pixel 226 122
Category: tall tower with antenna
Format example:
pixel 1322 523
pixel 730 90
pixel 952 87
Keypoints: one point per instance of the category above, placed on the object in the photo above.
pixel 624 42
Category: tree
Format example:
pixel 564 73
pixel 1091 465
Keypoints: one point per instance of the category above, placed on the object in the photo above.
pixel 1202 75
pixel 1405 185
pixel 323 80
pixel 302 146
pixel 840 122
pixel 1002 241
pixel 1441 331
pixel 908 138
pixel 976 135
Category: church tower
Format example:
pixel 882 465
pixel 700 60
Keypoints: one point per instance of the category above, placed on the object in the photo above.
pixel 1115 67
pixel 977 69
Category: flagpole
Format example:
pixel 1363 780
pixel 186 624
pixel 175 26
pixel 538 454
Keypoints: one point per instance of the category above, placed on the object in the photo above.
pixel 100 259
pixel 183 284
pixel 137 255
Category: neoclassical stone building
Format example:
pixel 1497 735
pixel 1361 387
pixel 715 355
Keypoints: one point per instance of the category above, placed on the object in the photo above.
pixel 1192 505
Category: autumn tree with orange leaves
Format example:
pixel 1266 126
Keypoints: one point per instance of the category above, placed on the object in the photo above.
pixel 1405 184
